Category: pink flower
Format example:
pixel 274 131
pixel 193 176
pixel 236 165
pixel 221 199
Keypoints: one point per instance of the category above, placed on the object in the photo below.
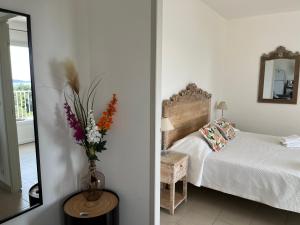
pixel 79 134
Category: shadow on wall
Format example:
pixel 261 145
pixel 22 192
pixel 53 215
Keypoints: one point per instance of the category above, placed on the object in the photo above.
pixel 61 160
pixel 70 173
pixel 57 72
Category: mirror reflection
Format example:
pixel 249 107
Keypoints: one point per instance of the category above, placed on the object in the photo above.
pixel 19 183
pixel 279 79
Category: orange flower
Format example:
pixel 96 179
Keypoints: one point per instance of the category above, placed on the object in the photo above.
pixel 106 119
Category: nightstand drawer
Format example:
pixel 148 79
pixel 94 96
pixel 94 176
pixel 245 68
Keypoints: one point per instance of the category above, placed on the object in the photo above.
pixel 170 173
pixel 180 170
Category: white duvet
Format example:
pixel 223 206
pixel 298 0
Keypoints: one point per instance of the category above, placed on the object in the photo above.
pixel 197 150
pixel 251 166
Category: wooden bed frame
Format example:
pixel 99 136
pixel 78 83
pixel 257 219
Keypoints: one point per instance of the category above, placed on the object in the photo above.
pixel 188 111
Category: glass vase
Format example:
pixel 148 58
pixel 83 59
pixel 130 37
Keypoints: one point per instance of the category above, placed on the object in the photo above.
pixel 95 183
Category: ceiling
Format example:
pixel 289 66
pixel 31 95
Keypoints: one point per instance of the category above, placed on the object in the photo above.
pixel 231 9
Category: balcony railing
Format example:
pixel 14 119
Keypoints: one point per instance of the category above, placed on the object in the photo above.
pixel 23 104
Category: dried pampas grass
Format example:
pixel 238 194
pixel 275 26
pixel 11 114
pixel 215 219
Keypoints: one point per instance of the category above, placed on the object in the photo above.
pixel 72 75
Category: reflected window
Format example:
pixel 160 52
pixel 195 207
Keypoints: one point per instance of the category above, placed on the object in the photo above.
pixel 21 82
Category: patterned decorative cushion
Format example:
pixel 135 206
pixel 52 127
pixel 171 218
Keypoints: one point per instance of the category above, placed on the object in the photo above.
pixel 214 138
pixel 225 128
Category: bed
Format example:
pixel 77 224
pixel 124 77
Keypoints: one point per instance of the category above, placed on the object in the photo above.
pixel 251 166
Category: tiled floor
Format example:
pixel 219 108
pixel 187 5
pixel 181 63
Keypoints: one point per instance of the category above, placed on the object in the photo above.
pixel 208 207
pixel 11 203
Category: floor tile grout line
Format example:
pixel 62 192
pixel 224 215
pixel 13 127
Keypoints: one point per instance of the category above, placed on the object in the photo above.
pixel 286 219
pixel 253 216
pixel 217 217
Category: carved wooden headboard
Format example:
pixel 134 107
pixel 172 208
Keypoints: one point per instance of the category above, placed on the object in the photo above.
pixel 188 111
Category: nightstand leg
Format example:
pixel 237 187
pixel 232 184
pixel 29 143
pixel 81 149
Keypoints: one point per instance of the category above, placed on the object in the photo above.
pixel 172 198
pixel 185 188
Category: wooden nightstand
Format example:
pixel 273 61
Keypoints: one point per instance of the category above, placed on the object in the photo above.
pixel 173 167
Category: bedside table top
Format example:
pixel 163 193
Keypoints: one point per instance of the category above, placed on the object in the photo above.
pixel 172 157
pixel 77 206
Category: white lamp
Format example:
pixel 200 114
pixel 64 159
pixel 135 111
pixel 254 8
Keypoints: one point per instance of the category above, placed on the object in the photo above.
pixel 166 125
pixel 222 106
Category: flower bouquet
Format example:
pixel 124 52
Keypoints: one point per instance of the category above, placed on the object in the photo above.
pixel 88 132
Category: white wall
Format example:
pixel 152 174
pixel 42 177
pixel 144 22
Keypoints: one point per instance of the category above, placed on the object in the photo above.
pixel 247 40
pixel 25 131
pixel 53 39
pixel 193 38
pixel 119 35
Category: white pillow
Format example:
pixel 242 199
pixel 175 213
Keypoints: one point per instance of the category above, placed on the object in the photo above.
pixel 236 130
pixel 193 141
pixel 188 137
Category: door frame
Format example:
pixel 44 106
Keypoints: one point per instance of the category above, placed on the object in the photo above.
pixel 155 114
pixel 9 110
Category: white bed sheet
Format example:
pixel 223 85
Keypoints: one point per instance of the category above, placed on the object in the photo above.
pixel 256 167
pixel 197 149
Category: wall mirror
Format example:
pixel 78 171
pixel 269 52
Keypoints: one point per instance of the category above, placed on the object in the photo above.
pixel 279 77
pixel 20 183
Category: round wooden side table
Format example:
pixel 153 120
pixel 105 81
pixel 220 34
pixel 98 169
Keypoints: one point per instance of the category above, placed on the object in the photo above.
pixel 104 211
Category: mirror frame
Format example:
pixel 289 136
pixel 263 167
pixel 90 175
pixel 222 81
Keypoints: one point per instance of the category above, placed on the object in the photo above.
pixel 35 125
pixel 279 53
